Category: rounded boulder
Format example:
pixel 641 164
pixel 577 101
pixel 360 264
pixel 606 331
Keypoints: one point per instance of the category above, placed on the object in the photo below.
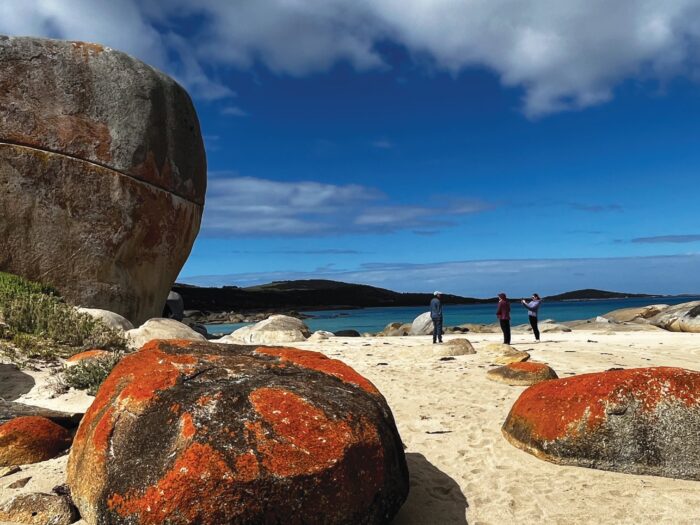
pixel 523 373
pixel 637 421
pixel 31 439
pixel 103 171
pixel 194 432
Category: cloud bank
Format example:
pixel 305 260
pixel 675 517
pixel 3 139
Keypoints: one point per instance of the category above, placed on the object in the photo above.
pixel 249 206
pixel 563 55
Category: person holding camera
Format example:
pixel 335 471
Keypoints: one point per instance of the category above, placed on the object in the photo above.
pixel 533 306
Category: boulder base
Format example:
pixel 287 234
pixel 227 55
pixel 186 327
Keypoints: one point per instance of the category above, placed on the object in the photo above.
pixel 522 373
pixel 188 432
pixel 638 421
pixel 31 439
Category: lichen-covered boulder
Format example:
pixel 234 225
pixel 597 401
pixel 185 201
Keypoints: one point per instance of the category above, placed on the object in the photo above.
pixel 188 432
pixel 683 317
pixel 38 509
pixel 523 373
pixel 88 355
pixel 31 439
pixel 638 421
pixel 103 174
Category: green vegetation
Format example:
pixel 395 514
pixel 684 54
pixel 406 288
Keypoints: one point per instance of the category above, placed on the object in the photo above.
pixel 40 325
pixel 90 373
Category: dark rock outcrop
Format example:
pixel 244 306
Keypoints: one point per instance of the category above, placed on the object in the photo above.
pixel 103 172
pixel 10 410
pixel 523 373
pixel 638 421
pixel 31 439
pixel 190 432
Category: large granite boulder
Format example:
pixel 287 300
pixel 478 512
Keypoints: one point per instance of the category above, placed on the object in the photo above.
pixel 187 432
pixel 679 318
pixel 103 174
pixel 31 439
pixel 422 325
pixel 273 330
pixel 640 313
pixel 638 421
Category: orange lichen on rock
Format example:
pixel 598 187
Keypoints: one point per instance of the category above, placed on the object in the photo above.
pixel 188 429
pixel 306 440
pixel 88 354
pixel 31 439
pixel 528 366
pixel 321 363
pixel 556 409
pixel 199 477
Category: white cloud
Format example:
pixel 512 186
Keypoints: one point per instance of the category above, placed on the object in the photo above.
pixel 248 206
pixel 234 111
pixel 564 55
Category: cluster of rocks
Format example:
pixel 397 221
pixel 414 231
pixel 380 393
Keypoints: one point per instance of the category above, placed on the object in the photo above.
pixel 197 316
pixel 684 317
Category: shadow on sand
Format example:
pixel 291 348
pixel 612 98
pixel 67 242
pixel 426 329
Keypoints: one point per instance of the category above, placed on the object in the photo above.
pixel 14 382
pixel 434 497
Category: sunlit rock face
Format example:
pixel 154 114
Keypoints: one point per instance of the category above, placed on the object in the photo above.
pixel 209 433
pixel 102 174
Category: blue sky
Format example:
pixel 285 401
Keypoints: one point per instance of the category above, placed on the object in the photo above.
pixel 471 146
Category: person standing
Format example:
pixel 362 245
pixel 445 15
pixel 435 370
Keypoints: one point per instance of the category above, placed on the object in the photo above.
pixel 436 316
pixel 532 307
pixel 503 314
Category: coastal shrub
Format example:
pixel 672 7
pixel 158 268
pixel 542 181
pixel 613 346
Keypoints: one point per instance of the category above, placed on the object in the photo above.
pixel 44 325
pixel 90 373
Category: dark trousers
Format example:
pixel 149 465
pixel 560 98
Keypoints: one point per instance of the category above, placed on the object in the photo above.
pixel 505 326
pixel 437 329
pixel 535 330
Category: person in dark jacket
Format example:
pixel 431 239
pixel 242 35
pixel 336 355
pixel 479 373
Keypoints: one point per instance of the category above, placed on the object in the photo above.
pixel 436 316
pixel 503 314
pixel 533 306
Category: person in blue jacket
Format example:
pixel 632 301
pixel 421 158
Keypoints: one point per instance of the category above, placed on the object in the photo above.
pixel 436 316
pixel 533 306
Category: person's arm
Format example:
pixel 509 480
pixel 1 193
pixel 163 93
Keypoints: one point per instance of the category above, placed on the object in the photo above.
pixel 529 305
pixel 499 310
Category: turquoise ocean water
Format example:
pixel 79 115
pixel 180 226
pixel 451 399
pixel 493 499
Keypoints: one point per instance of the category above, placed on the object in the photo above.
pixel 375 319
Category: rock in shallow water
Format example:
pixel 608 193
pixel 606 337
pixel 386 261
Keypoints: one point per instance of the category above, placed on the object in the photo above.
pixel 210 433
pixel 638 421
pixel 103 172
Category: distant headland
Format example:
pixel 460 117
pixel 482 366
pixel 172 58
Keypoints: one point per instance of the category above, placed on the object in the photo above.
pixel 323 294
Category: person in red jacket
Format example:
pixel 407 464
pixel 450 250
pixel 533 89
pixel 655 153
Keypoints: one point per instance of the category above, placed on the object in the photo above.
pixel 503 314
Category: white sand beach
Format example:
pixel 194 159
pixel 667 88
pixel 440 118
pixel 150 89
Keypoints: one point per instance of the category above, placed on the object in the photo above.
pixel 449 416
